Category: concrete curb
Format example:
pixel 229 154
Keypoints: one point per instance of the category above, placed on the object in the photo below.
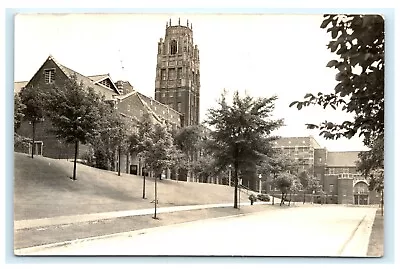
pixel 357 245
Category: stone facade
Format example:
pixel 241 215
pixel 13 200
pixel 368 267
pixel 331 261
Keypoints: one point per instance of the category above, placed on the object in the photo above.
pixel 177 82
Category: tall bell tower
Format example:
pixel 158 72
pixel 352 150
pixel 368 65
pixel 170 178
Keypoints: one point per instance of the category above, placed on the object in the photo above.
pixel 177 81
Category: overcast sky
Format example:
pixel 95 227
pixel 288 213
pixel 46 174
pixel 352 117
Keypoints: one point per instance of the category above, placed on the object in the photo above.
pixel 263 55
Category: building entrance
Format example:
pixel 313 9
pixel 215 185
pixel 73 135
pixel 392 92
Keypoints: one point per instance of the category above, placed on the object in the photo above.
pixel 361 199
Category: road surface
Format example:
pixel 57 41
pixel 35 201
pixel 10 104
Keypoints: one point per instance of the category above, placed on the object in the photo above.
pixel 328 230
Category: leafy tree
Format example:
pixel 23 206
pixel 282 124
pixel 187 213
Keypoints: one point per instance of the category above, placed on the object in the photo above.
pixel 188 140
pixel 140 141
pixel 111 138
pixel 158 155
pixel 178 162
pixel 314 186
pixel 371 165
pixel 276 164
pixel 372 160
pixel 284 182
pixel 305 180
pixel 19 108
pixel 75 114
pixel 358 40
pixel 19 141
pixel 241 132
pixel 295 187
pixel 33 100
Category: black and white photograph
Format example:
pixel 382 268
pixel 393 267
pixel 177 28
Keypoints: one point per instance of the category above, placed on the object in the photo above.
pixel 199 134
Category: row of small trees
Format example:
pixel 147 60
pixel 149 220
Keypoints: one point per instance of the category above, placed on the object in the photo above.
pixel 239 136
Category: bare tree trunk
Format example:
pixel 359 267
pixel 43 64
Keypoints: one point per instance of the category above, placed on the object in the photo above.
pixel 282 202
pixel 155 197
pixel 76 156
pixel 119 160
pixel 33 138
pixel 236 166
pixel 304 198
pixel 144 183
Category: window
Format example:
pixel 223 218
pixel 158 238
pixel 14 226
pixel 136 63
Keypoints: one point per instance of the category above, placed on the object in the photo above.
pixel 173 47
pixel 163 94
pixel 171 74
pixel 163 74
pixel 106 83
pixel 179 93
pixel 171 94
pixel 179 107
pixel 180 72
pixel 331 188
pixel 49 75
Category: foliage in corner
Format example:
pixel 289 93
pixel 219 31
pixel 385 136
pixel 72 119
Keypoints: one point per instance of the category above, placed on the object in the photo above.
pixel 358 40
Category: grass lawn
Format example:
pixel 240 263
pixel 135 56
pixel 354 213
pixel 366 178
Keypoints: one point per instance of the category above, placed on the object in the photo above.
pixel 376 241
pixel 43 188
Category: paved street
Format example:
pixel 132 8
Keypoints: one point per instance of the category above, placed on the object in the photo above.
pixel 328 230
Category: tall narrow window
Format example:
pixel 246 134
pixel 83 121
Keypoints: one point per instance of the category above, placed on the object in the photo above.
pixel 49 75
pixel 180 72
pixel 179 107
pixel 173 47
pixel 163 74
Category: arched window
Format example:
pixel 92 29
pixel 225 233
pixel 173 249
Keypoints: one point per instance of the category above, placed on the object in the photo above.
pixel 173 47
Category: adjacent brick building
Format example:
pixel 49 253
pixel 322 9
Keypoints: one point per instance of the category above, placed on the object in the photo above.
pixel 129 103
pixel 336 171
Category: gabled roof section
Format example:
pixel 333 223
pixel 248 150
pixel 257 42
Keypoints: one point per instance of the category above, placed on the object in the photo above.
pixel 19 85
pixel 105 81
pixel 97 78
pixel 87 82
pixel 161 110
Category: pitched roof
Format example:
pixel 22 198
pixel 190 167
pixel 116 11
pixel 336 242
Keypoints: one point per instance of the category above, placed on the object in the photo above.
pixel 160 110
pixel 87 82
pixel 342 158
pixel 98 77
pixel 18 85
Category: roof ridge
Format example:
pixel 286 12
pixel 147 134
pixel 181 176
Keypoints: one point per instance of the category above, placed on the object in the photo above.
pixel 148 107
pixel 166 106
pixel 122 97
pixel 107 74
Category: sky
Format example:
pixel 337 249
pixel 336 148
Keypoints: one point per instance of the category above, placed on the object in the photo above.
pixel 259 55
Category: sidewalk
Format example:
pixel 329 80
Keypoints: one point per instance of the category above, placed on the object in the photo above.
pixel 35 223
